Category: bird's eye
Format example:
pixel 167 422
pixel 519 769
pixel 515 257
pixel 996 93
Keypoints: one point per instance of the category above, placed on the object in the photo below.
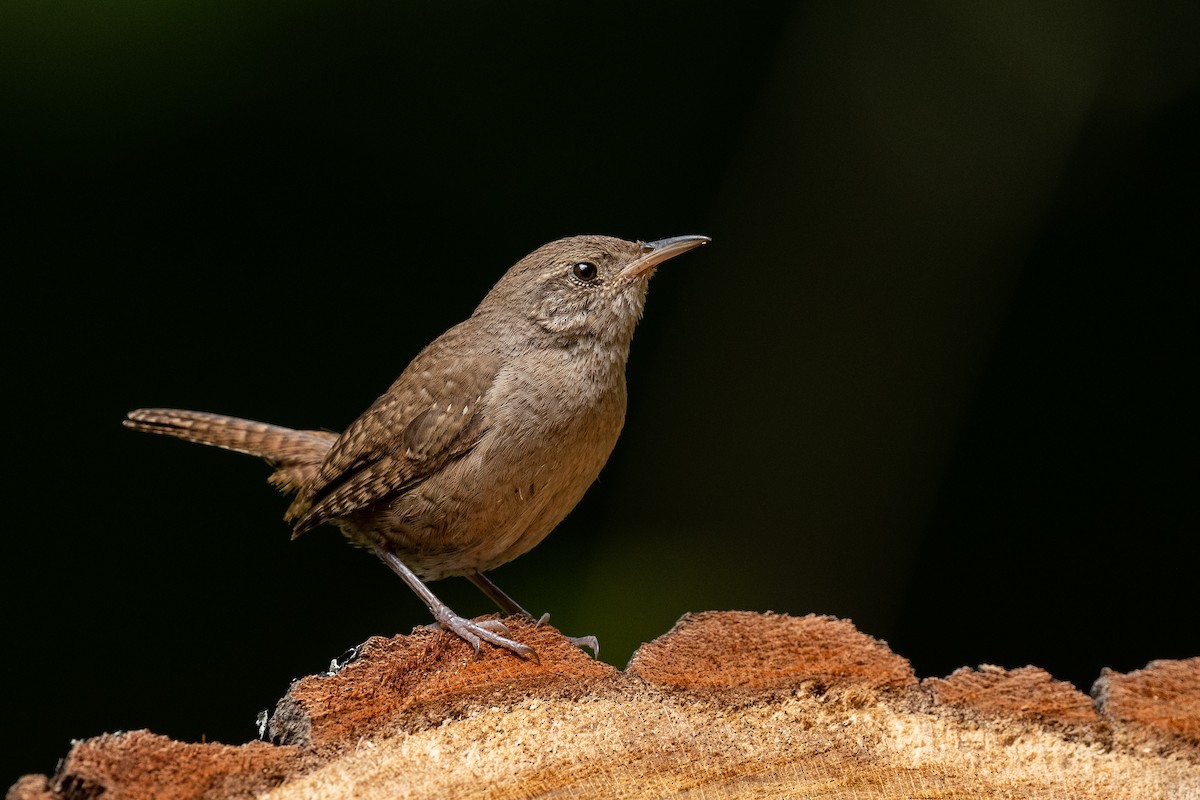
pixel 585 271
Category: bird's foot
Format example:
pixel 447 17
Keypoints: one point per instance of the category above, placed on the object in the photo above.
pixel 491 624
pixel 488 630
pixel 494 625
pixel 590 642
pixel 474 633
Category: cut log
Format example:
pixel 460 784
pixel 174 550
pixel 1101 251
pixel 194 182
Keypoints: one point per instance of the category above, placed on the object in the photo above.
pixel 726 704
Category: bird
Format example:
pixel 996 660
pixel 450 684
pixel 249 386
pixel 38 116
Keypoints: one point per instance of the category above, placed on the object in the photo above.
pixel 485 442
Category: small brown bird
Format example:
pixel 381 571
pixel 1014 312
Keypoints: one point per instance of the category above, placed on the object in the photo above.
pixel 486 441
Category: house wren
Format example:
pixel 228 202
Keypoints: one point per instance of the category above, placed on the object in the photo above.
pixel 486 441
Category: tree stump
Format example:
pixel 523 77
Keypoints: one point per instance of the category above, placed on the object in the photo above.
pixel 726 704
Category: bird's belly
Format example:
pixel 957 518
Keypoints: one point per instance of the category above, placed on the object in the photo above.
pixel 474 515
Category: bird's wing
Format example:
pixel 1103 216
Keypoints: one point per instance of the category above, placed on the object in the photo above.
pixel 432 414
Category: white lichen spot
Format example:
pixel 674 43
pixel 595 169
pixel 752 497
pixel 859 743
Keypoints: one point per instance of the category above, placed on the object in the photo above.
pixel 261 720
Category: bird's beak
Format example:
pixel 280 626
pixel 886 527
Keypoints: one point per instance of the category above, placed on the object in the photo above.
pixel 654 253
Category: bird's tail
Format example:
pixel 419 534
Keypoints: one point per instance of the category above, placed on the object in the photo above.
pixel 295 454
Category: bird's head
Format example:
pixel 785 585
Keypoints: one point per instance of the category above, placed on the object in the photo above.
pixel 585 287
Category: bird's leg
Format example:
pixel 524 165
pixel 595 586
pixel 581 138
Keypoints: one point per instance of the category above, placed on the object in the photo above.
pixel 500 598
pixel 471 632
pixel 510 606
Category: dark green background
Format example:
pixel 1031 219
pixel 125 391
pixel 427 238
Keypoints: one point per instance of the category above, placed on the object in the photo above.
pixel 935 373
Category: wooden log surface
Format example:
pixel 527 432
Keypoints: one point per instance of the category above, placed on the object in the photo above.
pixel 726 704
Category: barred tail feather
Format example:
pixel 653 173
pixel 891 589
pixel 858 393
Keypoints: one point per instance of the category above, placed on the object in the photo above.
pixel 295 454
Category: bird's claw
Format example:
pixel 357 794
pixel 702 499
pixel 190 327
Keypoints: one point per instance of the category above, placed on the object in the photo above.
pixel 590 642
pixel 494 625
pixel 488 630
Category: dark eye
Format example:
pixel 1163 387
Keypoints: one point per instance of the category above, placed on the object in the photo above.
pixel 585 271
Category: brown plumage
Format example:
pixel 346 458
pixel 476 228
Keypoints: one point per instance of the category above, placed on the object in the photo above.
pixel 488 438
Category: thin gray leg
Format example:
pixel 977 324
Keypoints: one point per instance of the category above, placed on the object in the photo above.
pixel 472 632
pixel 498 596
pixel 510 606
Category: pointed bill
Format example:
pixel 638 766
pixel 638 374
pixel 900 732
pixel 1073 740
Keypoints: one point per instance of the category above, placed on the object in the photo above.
pixel 654 253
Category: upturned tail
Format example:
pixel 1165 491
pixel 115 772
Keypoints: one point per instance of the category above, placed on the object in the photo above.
pixel 296 455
